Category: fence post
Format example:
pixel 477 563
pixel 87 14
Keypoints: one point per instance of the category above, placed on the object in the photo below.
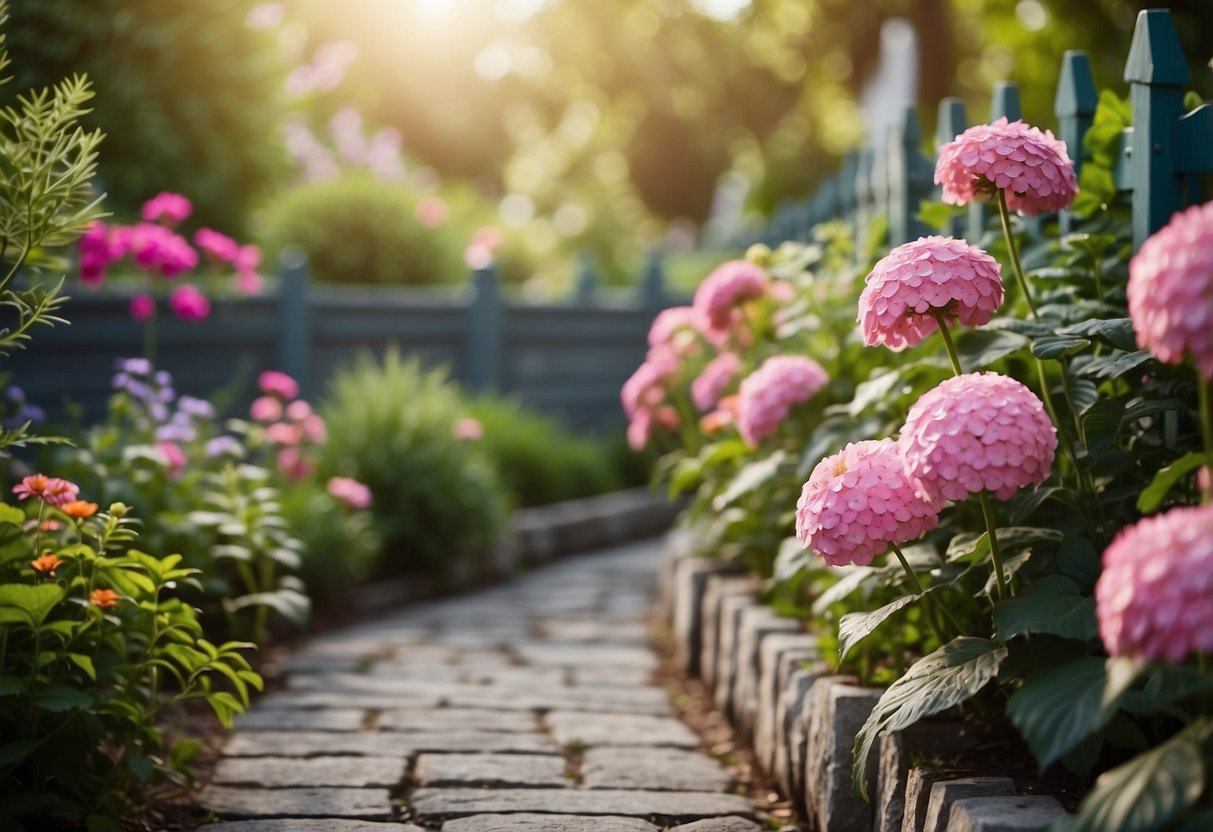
pixel 950 124
pixel 906 167
pixel 863 200
pixel 1074 106
pixel 295 319
pixel 652 283
pixel 1160 149
pixel 1004 103
pixel 484 331
pixel 586 288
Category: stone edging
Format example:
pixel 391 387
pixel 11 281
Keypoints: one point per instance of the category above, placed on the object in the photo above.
pixel 766 677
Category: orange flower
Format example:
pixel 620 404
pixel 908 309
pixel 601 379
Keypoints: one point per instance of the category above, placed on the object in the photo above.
pixel 79 509
pixel 104 598
pixel 46 563
pixel 715 421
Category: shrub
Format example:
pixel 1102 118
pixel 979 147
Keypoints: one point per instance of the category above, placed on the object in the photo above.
pixel 437 498
pixel 339 545
pixel 538 459
pixel 356 229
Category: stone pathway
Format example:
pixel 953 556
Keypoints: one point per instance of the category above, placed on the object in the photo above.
pixel 524 708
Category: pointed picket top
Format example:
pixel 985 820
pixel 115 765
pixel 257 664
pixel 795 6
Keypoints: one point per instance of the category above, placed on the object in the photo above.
pixel 587 278
pixel 951 121
pixel 909 131
pixel 1005 102
pixel 1076 95
pixel 1155 56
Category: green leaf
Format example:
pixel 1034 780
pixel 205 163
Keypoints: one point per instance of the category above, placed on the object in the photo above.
pixel 1101 423
pixel 1058 707
pixel 85 663
pixel 947 677
pixel 1051 604
pixel 59 698
pixel 293 605
pixel 979 348
pixel 1115 332
pixel 14 752
pixel 32 604
pixel 1078 561
pixel 873 391
pixel 183 751
pixel 750 477
pixel 974 548
pixel 1147 791
pixel 854 627
pixel 1058 346
pixel 1114 366
pixel 11 515
pixel 1153 494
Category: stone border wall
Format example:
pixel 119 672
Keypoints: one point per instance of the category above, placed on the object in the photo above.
pixel 766 676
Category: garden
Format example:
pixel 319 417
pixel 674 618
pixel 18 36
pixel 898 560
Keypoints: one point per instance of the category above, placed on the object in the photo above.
pixel 949 410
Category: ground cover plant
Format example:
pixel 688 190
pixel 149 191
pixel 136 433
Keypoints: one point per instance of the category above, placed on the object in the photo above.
pixel 981 475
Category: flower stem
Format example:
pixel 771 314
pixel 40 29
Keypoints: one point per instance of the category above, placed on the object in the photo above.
pixel 1204 394
pixel 1005 215
pixel 948 343
pixel 1000 576
pixel 905 564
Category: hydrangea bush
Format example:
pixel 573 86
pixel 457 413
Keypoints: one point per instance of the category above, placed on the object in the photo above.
pixel 1020 433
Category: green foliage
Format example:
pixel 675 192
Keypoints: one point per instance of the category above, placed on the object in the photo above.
pixel 338 546
pixel 188 95
pixel 538 459
pixel 438 502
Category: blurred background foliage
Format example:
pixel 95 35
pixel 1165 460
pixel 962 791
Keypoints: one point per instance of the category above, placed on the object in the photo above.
pixel 576 125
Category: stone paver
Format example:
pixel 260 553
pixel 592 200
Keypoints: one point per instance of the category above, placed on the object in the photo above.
pixel 728 824
pixel 454 713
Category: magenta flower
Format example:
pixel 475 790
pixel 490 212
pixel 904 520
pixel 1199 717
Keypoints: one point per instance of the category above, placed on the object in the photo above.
pixel 166 207
pixel 266 409
pixel 931 274
pixel 710 384
pixel 174 458
pixel 769 393
pixel 858 502
pixel 353 494
pixel 1031 167
pixel 157 249
pixel 293 465
pixel 247 259
pixel 669 323
pixel 975 432
pixel 729 286
pixel 1154 598
pixel 275 383
pixel 142 307
pixel 646 386
pixel 298 410
pixel 218 247
pixel 1171 290
pixel 189 304
pixel 467 429
pixel 51 490
pixel 95 253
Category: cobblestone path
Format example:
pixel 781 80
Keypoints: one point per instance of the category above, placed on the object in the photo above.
pixel 528 706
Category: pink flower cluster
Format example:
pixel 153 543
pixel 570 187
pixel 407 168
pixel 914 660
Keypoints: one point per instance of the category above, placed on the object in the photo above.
pixel 154 248
pixel 915 280
pixel 858 502
pixel 674 328
pixel 467 429
pixel 729 286
pixel 644 396
pixel 50 490
pixel 1154 597
pixel 353 494
pixel 485 242
pixel 769 393
pixel 714 379
pixel 1171 290
pixel 289 422
pixel 977 432
pixel 1031 167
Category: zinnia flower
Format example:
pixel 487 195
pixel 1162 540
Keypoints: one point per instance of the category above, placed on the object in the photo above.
pixel 858 502
pixel 354 494
pixel 728 286
pixel 281 433
pixel 1171 290
pixel 1031 167
pixel 710 384
pixel 167 207
pixel 79 509
pixel 189 304
pixel 104 598
pixel 96 253
pixel 46 563
pixel 975 432
pixel 218 247
pixel 275 383
pixel 1154 598
pixel 768 394
pixel 897 305
pixel 50 490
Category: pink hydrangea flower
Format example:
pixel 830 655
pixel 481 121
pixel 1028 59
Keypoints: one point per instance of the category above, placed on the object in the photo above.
pixel 352 493
pixel 714 379
pixel 1031 167
pixel 1171 290
pixel 646 386
pixel 467 429
pixel 932 273
pixel 730 285
pixel 189 304
pixel 858 502
pixel 298 410
pixel 266 409
pixel 975 432
pixel 769 393
pixel 276 383
pixel 293 465
pixel 1154 598
pixel 218 247
pixel 167 207
pixel 669 323
pixel 142 307
pixel 281 433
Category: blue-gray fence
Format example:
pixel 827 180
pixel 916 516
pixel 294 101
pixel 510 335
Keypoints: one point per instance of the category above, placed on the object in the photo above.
pixel 1161 156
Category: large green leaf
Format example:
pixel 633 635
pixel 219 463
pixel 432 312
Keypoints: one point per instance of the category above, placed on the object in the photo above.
pixel 854 627
pixel 1153 494
pixel 1059 707
pixel 60 698
pixel 1115 332
pixel 979 348
pixel 31 604
pixel 1058 346
pixel 1051 604
pixel 947 677
pixel 1115 365
pixel 293 605
pixel 1147 791
pixel 750 477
